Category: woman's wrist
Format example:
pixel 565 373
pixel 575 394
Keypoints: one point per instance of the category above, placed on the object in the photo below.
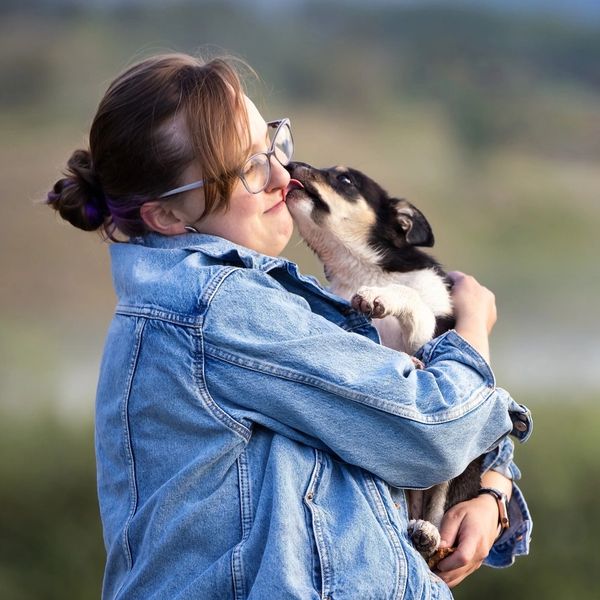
pixel 501 500
pixel 493 479
pixel 476 334
pixel 498 492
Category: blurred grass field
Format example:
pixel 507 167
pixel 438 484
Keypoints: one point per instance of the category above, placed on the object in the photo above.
pixel 52 546
pixel 489 123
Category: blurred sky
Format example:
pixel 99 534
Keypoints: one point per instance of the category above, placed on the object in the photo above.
pixel 584 10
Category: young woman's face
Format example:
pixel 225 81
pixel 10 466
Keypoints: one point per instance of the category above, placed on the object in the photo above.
pixel 259 221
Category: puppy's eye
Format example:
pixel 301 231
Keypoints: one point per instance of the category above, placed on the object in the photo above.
pixel 343 178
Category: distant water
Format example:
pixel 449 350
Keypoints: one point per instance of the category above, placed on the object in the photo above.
pixel 533 364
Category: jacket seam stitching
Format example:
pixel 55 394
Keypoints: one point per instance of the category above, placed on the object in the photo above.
pixel 158 315
pixel 208 401
pixel 327 575
pixel 128 444
pixel 175 317
pixel 206 398
pixel 478 397
pixel 215 283
pixel 239 587
pixel 386 524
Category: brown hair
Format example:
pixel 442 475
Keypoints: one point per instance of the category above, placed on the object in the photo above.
pixel 136 151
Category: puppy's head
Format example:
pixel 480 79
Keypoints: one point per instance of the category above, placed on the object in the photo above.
pixel 342 206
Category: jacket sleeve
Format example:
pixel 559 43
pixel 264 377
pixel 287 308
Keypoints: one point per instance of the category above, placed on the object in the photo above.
pixel 515 541
pixel 269 360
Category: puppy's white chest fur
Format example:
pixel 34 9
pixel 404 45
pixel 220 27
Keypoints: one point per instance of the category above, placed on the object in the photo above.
pixel 405 305
pixel 392 332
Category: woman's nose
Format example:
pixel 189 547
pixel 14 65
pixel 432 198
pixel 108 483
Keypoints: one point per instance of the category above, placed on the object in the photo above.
pixel 279 175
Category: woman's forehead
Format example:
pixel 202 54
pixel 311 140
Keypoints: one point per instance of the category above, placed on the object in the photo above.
pixel 258 126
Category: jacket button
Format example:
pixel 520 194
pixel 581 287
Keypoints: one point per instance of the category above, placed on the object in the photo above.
pixel 309 496
pixel 520 426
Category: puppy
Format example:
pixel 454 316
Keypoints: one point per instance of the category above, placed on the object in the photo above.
pixel 369 245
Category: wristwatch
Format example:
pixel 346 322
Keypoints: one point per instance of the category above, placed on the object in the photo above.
pixel 502 500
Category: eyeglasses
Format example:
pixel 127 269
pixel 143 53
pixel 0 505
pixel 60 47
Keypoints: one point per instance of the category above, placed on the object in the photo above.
pixel 256 171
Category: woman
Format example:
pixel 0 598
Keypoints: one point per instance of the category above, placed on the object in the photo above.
pixel 253 438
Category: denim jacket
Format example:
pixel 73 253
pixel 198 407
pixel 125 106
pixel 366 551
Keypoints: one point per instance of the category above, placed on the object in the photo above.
pixel 254 440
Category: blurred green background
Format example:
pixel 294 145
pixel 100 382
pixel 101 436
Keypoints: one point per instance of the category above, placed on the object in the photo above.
pixel 486 115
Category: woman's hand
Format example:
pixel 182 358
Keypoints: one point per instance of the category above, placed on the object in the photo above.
pixel 471 527
pixel 474 311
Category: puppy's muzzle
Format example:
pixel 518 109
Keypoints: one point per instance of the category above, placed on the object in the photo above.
pixel 301 171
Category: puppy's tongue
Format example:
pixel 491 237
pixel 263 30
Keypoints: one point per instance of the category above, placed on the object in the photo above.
pixel 294 184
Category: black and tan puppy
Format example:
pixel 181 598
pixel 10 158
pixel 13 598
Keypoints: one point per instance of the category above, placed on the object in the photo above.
pixel 369 245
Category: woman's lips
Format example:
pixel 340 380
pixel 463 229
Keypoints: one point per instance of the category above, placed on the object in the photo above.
pixel 293 184
pixel 276 206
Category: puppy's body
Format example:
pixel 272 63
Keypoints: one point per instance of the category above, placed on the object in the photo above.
pixel 413 302
pixel 368 243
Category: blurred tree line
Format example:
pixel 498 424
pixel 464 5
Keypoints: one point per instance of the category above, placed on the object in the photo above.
pixel 489 71
pixel 514 101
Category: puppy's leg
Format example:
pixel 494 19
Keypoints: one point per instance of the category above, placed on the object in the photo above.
pixel 416 319
pixel 424 532
pixel 421 533
pixel 435 502
pixel 415 503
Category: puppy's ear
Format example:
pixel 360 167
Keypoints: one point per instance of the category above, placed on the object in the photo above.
pixel 416 228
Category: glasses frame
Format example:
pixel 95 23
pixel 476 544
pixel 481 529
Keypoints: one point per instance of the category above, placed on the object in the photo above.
pixel 278 124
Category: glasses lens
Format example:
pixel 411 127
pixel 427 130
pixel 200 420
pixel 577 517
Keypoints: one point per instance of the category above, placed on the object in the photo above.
pixel 284 145
pixel 255 172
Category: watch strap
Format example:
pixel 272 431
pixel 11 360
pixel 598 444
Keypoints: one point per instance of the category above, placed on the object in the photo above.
pixel 502 501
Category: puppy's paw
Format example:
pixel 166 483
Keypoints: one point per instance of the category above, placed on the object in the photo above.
pixel 424 536
pixel 419 364
pixel 368 302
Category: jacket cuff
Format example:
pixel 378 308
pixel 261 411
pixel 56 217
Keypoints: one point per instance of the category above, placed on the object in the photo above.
pixel 520 416
pixel 451 345
pixel 501 460
pixel 516 539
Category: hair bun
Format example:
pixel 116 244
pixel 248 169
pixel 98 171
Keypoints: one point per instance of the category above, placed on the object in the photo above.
pixel 78 197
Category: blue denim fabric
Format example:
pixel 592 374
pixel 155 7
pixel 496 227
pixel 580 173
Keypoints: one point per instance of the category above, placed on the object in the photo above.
pixel 254 439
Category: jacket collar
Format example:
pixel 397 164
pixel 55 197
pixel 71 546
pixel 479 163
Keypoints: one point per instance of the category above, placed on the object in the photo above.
pixel 233 254
pixel 211 245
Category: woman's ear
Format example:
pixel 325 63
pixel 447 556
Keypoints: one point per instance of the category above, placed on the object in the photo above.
pixel 160 219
